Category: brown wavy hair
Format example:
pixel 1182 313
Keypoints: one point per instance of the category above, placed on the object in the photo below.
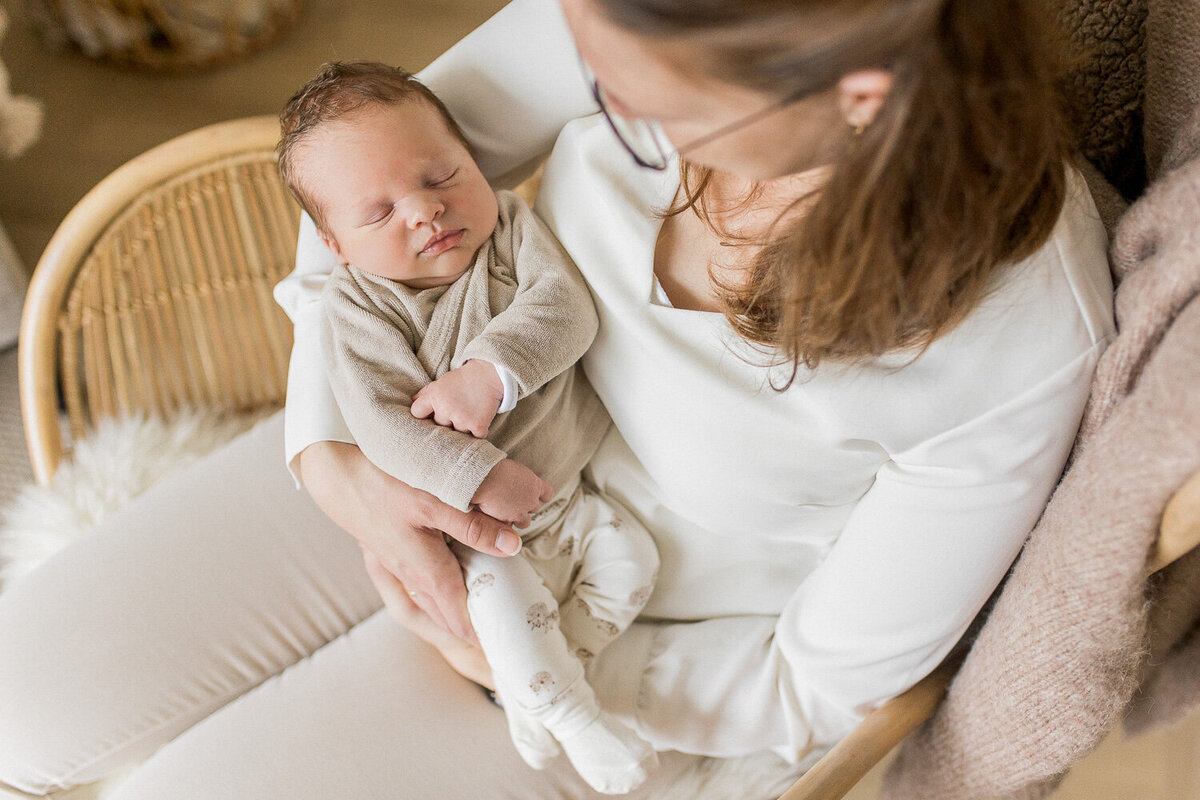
pixel 960 174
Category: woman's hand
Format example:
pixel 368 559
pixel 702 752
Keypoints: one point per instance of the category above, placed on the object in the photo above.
pixel 465 658
pixel 403 527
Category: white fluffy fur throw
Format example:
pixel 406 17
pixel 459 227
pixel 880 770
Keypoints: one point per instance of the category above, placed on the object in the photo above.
pixel 122 458
pixel 115 464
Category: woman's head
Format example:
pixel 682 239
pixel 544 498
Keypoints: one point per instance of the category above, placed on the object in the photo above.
pixel 956 168
pixel 783 85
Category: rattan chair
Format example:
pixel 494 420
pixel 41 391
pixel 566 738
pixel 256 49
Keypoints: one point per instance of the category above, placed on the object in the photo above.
pixel 155 295
pixel 155 292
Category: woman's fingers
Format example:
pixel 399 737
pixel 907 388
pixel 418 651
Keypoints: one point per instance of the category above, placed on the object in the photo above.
pixel 414 610
pixel 394 595
pixel 402 604
pixel 436 586
pixel 403 526
pixel 467 659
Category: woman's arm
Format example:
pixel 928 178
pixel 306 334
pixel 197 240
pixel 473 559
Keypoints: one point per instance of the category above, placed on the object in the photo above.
pixel 918 558
pixel 512 85
pixel 403 527
pixel 311 414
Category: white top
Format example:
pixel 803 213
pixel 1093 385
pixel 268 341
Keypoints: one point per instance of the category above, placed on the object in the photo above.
pixel 837 538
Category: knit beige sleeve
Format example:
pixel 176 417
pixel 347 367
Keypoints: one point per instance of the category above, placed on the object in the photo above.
pixel 374 374
pixel 552 319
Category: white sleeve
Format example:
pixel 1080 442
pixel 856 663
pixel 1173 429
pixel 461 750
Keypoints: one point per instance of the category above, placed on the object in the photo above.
pixel 511 390
pixel 512 84
pixel 919 556
pixel 311 413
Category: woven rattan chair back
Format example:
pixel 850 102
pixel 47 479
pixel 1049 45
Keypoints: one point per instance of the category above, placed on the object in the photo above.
pixel 155 293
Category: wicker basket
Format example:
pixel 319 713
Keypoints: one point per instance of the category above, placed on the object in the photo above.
pixel 163 34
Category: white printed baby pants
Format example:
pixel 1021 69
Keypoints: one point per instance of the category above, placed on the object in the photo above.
pixel 585 571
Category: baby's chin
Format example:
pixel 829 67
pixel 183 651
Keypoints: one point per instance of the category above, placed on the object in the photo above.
pixel 441 270
pixel 430 283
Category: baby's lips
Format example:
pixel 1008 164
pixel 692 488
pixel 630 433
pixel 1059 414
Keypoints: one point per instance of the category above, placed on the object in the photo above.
pixel 443 240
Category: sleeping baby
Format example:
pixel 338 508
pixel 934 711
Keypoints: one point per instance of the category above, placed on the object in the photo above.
pixel 455 319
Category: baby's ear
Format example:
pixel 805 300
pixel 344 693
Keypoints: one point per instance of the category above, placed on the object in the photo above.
pixel 332 244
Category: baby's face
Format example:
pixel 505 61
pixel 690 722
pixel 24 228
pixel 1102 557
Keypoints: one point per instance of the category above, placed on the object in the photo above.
pixel 401 195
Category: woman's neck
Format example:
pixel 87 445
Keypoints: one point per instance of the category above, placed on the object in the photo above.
pixel 735 199
pixel 689 252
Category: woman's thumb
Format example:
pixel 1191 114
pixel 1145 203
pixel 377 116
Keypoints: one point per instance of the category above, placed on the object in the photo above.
pixel 480 532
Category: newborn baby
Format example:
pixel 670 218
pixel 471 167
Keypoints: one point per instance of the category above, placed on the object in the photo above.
pixel 455 319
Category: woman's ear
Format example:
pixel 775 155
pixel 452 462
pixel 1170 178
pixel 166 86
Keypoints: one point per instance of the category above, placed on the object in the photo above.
pixel 861 95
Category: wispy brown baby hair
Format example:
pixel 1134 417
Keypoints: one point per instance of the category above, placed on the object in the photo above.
pixel 341 88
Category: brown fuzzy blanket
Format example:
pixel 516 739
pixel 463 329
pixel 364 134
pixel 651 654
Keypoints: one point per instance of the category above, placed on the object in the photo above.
pixel 1078 639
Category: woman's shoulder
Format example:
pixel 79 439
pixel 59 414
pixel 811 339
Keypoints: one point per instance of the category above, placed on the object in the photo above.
pixel 1069 276
pixel 1056 303
pixel 1045 321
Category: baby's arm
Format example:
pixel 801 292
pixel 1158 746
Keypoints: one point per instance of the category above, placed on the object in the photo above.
pixel 374 374
pixel 551 321
pixel 547 327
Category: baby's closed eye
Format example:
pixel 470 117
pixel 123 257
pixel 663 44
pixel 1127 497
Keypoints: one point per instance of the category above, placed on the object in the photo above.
pixel 381 214
pixel 446 179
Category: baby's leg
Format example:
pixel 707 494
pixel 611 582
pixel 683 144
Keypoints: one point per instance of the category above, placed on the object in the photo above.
pixel 616 563
pixel 537 676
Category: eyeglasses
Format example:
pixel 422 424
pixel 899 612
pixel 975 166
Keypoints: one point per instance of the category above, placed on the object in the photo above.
pixel 648 145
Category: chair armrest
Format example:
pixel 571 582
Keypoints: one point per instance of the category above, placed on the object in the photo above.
pixel 850 759
pixel 1180 530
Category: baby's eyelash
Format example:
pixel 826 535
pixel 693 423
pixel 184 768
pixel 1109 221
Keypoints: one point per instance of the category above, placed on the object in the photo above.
pixel 447 178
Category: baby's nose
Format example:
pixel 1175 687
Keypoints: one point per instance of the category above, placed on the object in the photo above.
pixel 423 210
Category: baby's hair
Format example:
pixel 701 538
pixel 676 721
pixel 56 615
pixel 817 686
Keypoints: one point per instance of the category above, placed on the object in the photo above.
pixel 341 88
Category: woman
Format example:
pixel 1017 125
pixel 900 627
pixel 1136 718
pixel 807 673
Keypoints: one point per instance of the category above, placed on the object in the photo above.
pixel 844 379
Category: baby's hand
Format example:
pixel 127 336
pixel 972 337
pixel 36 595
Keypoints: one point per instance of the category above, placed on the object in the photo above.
pixel 511 493
pixel 465 399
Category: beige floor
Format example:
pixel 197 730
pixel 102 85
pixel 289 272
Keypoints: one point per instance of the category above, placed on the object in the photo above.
pixel 98 116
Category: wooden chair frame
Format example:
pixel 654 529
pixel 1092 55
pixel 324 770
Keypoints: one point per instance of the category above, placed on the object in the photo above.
pixel 40 370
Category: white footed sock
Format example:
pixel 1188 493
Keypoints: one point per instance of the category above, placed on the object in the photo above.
pixel 609 755
pixel 534 743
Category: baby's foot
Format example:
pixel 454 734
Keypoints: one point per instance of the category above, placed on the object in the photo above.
pixel 535 744
pixel 610 756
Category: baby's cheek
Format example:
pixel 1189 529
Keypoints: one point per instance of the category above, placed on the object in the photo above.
pixel 485 210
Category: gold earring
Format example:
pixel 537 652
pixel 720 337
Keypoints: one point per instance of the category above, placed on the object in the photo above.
pixel 859 128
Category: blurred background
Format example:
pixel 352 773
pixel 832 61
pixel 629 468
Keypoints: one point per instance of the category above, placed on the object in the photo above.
pixel 99 113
